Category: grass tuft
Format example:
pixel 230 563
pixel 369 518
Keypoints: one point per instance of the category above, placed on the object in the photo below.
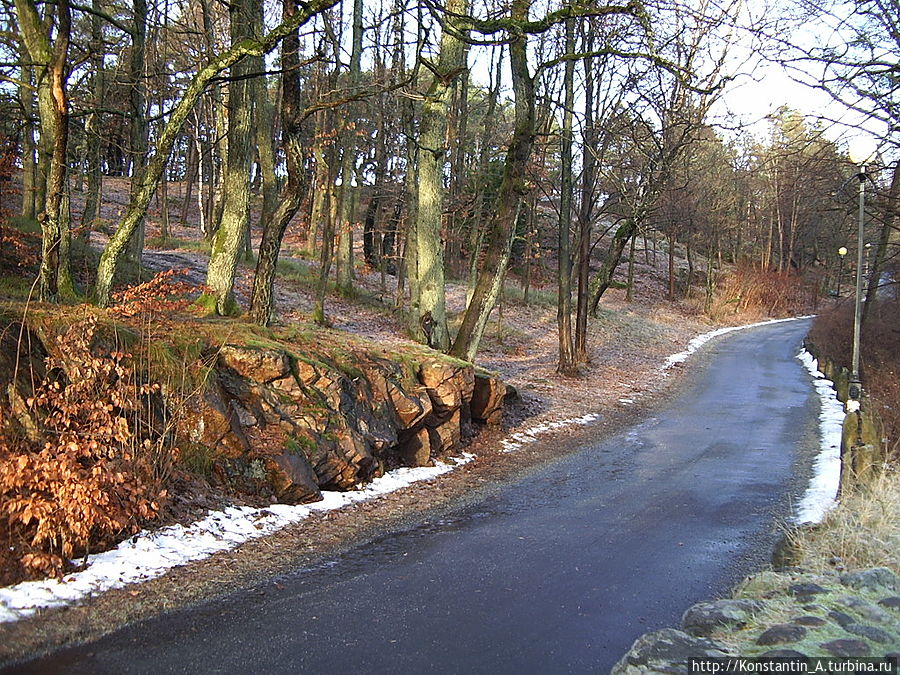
pixel 862 531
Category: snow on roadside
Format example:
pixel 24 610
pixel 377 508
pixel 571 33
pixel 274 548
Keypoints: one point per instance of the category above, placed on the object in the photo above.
pixel 701 340
pixel 821 495
pixel 530 435
pixel 151 554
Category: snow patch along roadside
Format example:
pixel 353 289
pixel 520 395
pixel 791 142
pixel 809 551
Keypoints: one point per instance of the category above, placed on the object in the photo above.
pixel 151 554
pixel 821 495
pixel 701 340
pixel 530 435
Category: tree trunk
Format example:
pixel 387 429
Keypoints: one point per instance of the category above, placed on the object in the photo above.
pixel 459 136
pixel 588 168
pixel 372 246
pixel 94 124
pixel 690 261
pixel 318 314
pixel 603 280
pixel 481 201
pixel 53 110
pixel 889 221
pixel 32 194
pixel 318 213
pixel 671 240
pixel 513 188
pixel 711 283
pixel 349 190
pixel 217 135
pixel 410 268
pixel 191 170
pixel 430 306
pixel 138 139
pixel 262 303
pixel 229 237
pixel 566 365
pixel 629 289
pixel 265 131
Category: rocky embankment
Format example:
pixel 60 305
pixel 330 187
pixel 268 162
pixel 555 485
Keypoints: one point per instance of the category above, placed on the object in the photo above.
pixel 790 614
pixel 267 417
pixel 301 423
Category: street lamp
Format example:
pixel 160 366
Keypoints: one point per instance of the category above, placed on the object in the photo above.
pixel 862 152
pixel 842 251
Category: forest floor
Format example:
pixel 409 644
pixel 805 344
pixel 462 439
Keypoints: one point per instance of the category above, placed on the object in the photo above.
pixel 628 343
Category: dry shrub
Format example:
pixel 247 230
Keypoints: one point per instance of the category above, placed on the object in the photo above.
pixel 761 293
pixel 18 250
pixel 162 295
pixel 879 362
pixel 862 531
pixel 88 478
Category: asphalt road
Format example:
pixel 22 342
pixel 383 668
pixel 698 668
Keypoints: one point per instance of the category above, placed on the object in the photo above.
pixel 556 573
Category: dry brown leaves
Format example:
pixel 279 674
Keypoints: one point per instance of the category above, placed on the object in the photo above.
pixel 89 480
pixel 163 295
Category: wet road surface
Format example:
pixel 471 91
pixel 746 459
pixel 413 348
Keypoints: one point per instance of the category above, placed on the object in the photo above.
pixel 557 572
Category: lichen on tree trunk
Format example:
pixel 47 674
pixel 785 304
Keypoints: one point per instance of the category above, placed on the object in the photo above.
pixel 229 236
pixel 429 305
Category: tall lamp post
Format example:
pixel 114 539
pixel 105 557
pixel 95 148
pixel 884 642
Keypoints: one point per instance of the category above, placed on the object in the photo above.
pixel 842 251
pixel 862 152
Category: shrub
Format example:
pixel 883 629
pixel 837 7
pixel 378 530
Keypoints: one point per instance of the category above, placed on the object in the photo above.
pixel 751 291
pixel 90 476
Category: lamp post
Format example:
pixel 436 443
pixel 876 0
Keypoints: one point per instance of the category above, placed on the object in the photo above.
pixel 862 151
pixel 842 251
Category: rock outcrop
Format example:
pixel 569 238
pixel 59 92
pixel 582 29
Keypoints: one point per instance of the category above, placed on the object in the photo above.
pixel 296 424
pixel 280 419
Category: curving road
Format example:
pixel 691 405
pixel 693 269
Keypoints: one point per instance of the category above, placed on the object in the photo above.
pixel 556 573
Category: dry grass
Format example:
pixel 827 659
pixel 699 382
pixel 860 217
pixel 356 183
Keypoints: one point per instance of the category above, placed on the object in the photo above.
pixel 863 531
pixel 751 292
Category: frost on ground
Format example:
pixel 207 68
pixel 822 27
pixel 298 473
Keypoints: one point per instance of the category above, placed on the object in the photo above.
pixel 823 486
pixel 151 554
